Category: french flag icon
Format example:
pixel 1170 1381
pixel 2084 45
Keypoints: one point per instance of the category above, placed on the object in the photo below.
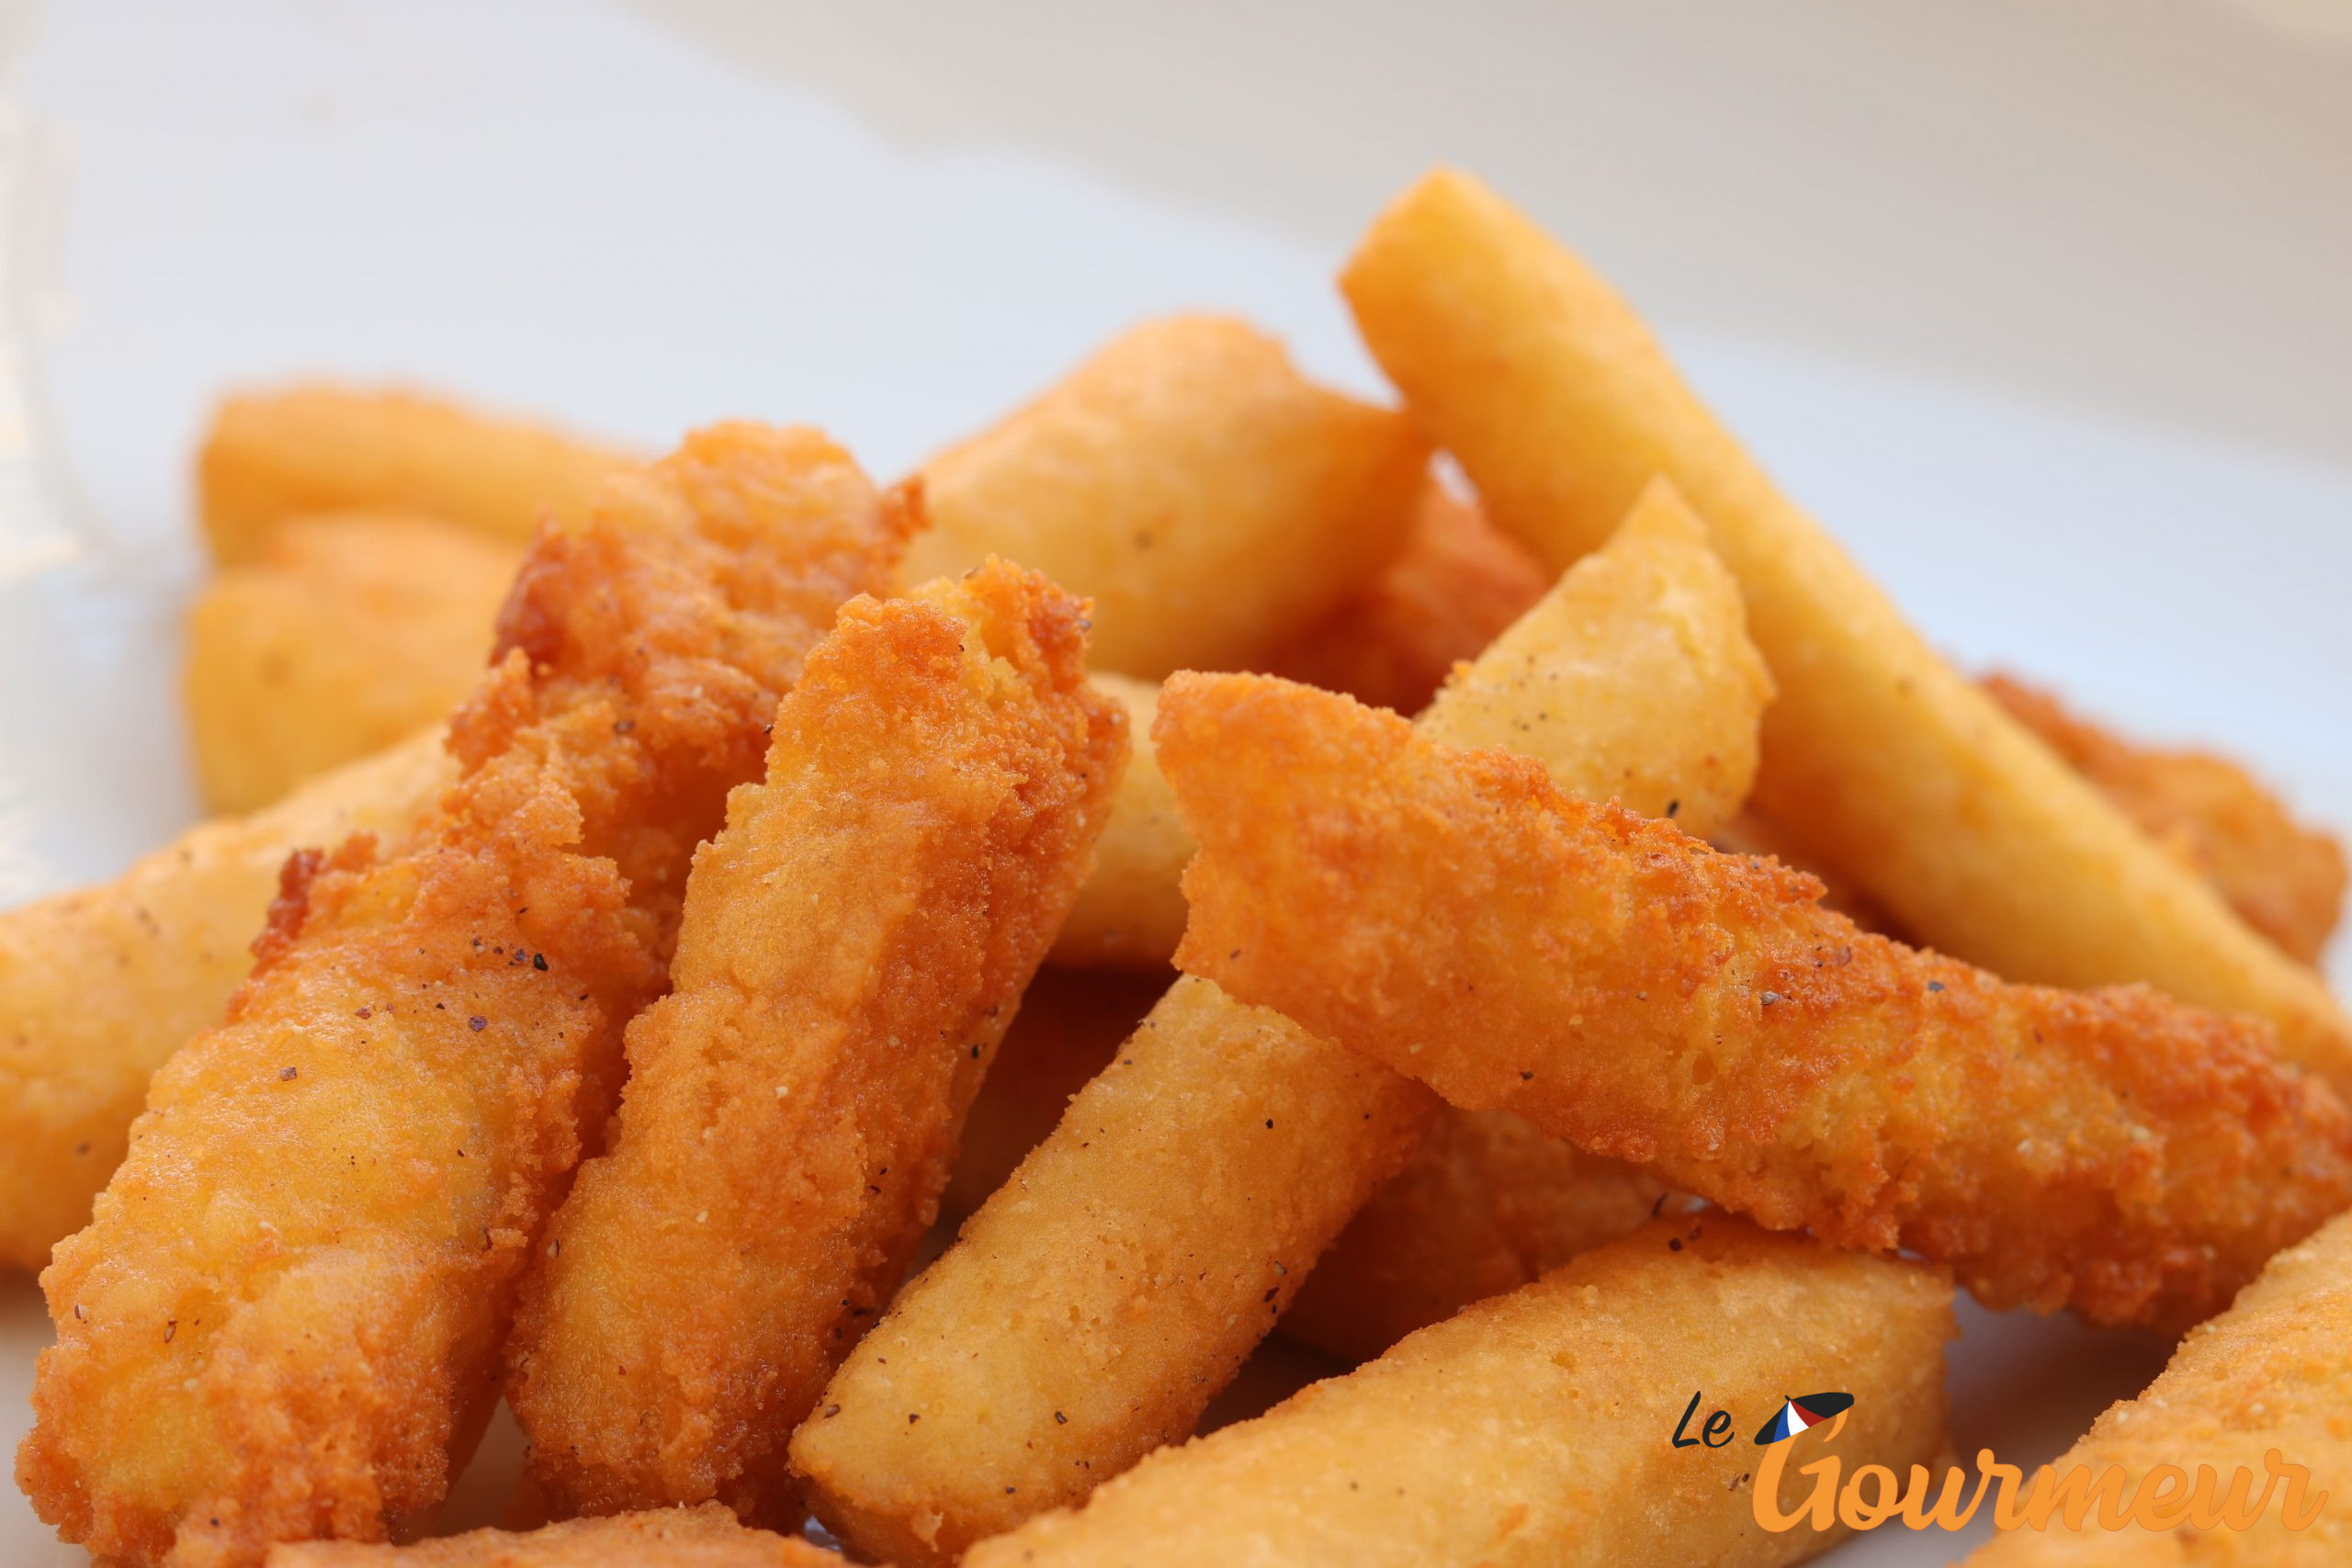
pixel 1796 1415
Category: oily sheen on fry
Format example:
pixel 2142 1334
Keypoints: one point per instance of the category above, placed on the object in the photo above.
pixel 1623 986
pixel 284 1320
pixel 855 943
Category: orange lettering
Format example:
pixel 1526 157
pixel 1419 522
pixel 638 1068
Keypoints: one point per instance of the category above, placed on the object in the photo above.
pixel 2071 1497
pixel 2291 1512
pixel 1821 1507
pixel 1854 1513
pixel 2161 1500
pixel 2238 1509
pixel 2005 1507
pixel 1946 1514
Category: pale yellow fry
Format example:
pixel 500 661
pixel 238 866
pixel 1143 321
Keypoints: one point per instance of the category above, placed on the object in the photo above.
pixel 1210 500
pixel 1883 762
pixel 100 986
pixel 1130 913
pixel 1533 1430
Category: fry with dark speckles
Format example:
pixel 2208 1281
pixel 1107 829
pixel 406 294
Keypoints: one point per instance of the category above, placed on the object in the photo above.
pixel 855 942
pixel 1619 984
pixel 284 1321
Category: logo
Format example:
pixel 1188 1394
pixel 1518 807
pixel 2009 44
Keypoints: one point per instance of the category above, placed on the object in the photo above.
pixel 2166 1497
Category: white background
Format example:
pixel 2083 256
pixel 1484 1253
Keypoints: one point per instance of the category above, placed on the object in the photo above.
pixel 2043 310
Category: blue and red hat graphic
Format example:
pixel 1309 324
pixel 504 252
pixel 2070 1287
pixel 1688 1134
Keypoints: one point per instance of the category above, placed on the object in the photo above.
pixel 1808 1410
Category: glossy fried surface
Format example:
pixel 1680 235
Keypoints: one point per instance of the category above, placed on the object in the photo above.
pixel 708 1537
pixel 2284 879
pixel 284 1320
pixel 856 940
pixel 2271 1375
pixel 1619 984
pixel 1532 1431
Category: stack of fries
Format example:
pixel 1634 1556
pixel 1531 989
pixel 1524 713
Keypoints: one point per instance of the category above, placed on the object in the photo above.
pixel 1561 951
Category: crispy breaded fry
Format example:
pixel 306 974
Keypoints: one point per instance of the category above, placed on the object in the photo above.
pixel 858 939
pixel 1209 499
pixel 708 1537
pixel 1484 1205
pixel 1458 583
pixel 1621 984
pixel 1071 1026
pixel 2271 1377
pixel 1890 765
pixel 1754 834
pixel 1095 1304
pixel 100 986
pixel 2284 879
pixel 1532 1429
pixel 320 448
pixel 339 637
pixel 284 1320
pixel 1131 910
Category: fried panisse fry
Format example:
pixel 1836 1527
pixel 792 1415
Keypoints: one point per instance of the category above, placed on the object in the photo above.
pixel 1892 768
pixel 708 1537
pixel 1070 1028
pixel 341 636
pixel 1458 583
pixel 1209 499
pixel 2284 879
pixel 1131 910
pixel 1484 1205
pixel 2270 1378
pixel 1621 984
pixel 319 447
pixel 1532 1429
pixel 1098 1301
pixel 100 986
pixel 284 1320
pixel 856 941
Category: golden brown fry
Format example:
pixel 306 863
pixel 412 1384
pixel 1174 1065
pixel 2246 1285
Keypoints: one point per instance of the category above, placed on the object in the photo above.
pixel 318 447
pixel 2270 1377
pixel 1531 1430
pixel 2284 879
pixel 708 1537
pixel 100 986
pixel 284 1320
pixel 1131 910
pixel 1623 986
pixel 1754 834
pixel 341 636
pixel 1458 583
pixel 858 939
pixel 1895 769
pixel 1070 1025
pixel 1210 500
pixel 1484 1205
pixel 1096 1303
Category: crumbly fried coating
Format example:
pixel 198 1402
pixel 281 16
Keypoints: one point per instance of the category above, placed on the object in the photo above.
pixel 707 1537
pixel 2271 1375
pixel 1621 984
pixel 284 1320
pixel 1131 910
pixel 299 450
pixel 858 939
pixel 344 634
pixel 1458 582
pixel 1485 1204
pixel 2284 879
pixel 98 986
pixel 1532 1431
pixel 1210 500
pixel 1888 765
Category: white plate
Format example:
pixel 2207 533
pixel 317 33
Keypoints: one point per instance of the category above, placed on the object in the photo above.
pixel 583 210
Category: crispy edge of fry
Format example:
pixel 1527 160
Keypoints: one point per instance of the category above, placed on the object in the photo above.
pixel 342 635
pixel 98 986
pixel 1532 1427
pixel 320 447
pixel 706 1537
pixel 1890 765
pixel 1131 910
pixel 1209 499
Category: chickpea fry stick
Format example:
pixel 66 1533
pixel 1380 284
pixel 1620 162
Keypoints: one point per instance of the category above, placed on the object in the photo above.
pixel 708 1537
pixel 1210 500
pixel 319 447
pixel 1533 1430
pixel 1621 984
pixel 1130 912
pixel 1097 1302
pixel 284 1320
pixel 856 941
pixel 1890 766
